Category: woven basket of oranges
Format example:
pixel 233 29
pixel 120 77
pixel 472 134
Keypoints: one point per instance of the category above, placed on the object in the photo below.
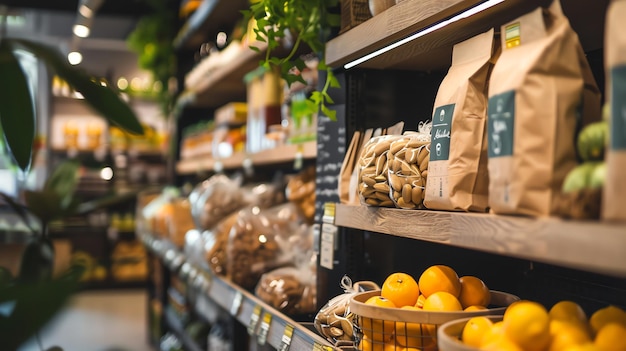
pixel 402 316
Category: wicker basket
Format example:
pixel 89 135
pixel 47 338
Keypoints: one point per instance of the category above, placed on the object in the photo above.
pixel 353 13
pixel 449 335
pixel 378 327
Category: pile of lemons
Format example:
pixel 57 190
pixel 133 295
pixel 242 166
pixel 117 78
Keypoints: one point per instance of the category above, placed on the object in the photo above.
pixel 438 288
pixel 529 326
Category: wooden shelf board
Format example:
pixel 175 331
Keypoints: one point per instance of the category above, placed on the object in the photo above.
pixel 434 50
pixel 586 245
pixel 281 154
pixel 210 17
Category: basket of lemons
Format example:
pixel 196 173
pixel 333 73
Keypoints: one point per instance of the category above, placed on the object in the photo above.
pixel 528 325
pixel 406 313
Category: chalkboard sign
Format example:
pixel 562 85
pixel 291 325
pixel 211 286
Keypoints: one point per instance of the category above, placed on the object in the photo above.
pixel 331 149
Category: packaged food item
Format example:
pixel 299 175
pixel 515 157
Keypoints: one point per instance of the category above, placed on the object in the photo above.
pixel 458 175
pixel 334 320
pixel 408 168
pixel 291 290
pixel 259 242
pixel 301 191
pixel 373 183
pixel 214 199
pixel 615 58
pixel 216 243
pixel 180 221
pixel 536 92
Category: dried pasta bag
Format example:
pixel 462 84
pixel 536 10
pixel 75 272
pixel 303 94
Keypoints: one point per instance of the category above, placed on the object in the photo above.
pixel 615 59
pixel 458 175
pixel 408 168
pixel 535 98
pixel 373 183
pixel 258 242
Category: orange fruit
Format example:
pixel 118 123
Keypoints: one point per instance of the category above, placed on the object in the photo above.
pixel 367 344
pixel 566 333
pixel 527 324
pixel 474 292
pixel 493 334
pixel 409 334
pixel 420 301
pixel 474 308
pixel 378 329
pixel 439 278
pixel 607 315
pixel 442 301
pixel 475 329
pixel 502 344
pixel 568 311
pixel 401 289
pixel 611 337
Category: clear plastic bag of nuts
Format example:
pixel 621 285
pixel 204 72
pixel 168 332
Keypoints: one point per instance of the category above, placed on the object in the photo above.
pixel 214 199
pixel 259 241
pixel 373 164
pixel 335 321
pixel 408 169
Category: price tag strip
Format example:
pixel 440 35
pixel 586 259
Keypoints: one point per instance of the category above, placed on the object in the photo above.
pixel 234 308
pixel 285 341
pixel 318 347
pixel 254 319
pixel 264 329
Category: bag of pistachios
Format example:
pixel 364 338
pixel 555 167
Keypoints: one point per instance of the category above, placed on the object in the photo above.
pixel 457 171
pixel 541 90
pixel 615 60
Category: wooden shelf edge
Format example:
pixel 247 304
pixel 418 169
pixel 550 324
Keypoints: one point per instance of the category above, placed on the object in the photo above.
pixel 589 246
pixel 284 153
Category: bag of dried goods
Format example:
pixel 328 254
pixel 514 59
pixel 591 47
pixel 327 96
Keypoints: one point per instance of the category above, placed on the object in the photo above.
pixel 407 162
pixel 259 241
pixel 458 176
pixel 214 199
pixel 615 59
pixel 540 91
pixel 373 185
pixel 301 191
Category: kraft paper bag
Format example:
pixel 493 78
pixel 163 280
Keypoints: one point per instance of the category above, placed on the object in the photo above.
pixel 457 171
pixel 541 91
pixel 614 194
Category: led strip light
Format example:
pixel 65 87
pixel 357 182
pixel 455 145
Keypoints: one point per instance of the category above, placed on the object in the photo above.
pixel 465 14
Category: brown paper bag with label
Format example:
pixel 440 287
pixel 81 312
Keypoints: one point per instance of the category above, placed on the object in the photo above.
pixel 615 60
pixel 457 170
pixel 535 106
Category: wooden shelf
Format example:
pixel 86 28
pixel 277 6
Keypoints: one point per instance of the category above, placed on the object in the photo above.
pixel 434 50
pixel 238 302
pixel 210 17
pixel 225 84
pixel 281 154
pixel 586 245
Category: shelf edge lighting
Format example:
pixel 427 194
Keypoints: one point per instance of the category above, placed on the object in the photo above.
pixel 465 14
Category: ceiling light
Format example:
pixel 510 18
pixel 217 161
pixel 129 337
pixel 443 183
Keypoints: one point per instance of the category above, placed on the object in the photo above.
pixel 465 14
pixel 74 57
pixel 85 11
pixel 122 83
pixel 81 31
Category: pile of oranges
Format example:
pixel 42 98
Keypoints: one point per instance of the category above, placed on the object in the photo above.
pixel 528 326
pixel 438 288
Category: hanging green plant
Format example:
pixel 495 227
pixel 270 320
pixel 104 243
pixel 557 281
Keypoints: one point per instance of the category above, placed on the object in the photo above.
pixel 310 22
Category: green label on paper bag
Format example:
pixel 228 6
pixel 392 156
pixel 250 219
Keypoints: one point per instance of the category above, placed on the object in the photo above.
pixel 618 108
pixel 500 124
pixel 442 125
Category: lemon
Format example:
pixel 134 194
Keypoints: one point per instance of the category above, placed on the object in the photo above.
pixel 474 308
pixel 501 344
pixel 528 325
pixel 611 337
pixel 493 334
pixel 607 315
pixel 475 329
pixel 567 333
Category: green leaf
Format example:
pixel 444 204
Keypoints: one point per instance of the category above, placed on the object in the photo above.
pixel 332 114
pixel 44 204
pixel 35 305
pixel 37 261
pixel 19 209
pixel 103 99
pixel 17 115
pixel 63 181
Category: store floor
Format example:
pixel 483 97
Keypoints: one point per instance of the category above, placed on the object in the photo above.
pixel 99 321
